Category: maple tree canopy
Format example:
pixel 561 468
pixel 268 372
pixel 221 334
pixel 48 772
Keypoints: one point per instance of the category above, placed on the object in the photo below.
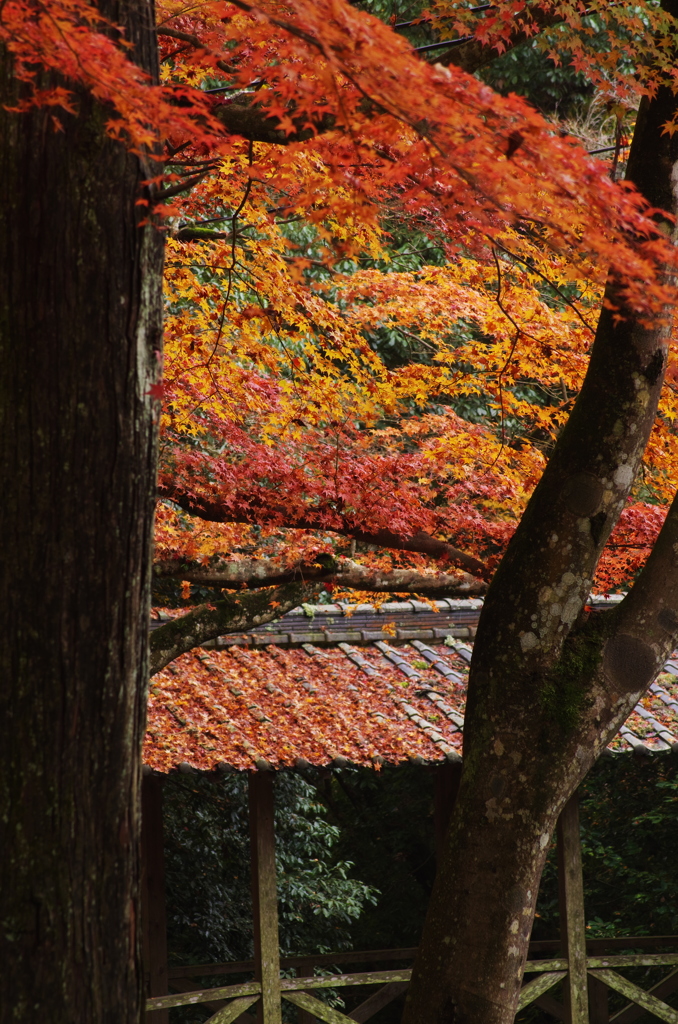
pixel 332 197
pixel 408 318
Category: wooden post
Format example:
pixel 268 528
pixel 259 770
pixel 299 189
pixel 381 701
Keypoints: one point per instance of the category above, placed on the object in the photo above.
pixel 445 788
pixel 305 970
pixel 264 897
pixel 154 920
pixel 599 1008
pixel 572 919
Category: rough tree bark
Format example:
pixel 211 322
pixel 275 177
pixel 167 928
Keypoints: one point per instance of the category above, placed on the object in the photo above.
pixel 548 686
pixel 80 335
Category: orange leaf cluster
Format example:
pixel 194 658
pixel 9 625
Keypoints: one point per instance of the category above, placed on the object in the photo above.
pixel 403 207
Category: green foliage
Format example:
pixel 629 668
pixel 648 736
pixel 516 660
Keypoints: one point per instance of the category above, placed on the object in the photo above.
pixel 530 72
pixel 334 828
pixel 629 827
pixel 331 829
pixel 319 902
pixel 629 824
pixel 630 839
pixel 209 916
pixel 208 876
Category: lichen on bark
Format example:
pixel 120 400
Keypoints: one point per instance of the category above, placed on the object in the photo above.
pixel 548 689
pixel 226 615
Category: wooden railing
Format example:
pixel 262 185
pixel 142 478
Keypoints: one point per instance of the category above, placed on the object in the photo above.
pixel 588 969
pixel 602 971
pixel 295 990
pixel 541 973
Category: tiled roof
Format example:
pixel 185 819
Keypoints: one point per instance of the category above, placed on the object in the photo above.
pixel 323 687
pixel 363 623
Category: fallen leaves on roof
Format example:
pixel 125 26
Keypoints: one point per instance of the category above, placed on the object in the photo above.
pixel 336 705
pixel 284 706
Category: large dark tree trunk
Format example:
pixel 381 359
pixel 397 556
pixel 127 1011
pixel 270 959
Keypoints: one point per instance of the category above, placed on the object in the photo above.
pixel 80 336
pixel 549 687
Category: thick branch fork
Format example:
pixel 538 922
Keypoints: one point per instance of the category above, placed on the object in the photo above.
pixel 549 687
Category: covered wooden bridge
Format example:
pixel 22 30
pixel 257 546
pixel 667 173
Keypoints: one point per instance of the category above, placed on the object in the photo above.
pixel 324 688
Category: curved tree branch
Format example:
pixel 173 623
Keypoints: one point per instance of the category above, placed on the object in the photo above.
pixel 175 33
pixel 216 511
pixel 191 40
pixel 343 572
pixel 229 615
pixel 649 612
pixel 252 122
pixel 472 55
pixel 549 687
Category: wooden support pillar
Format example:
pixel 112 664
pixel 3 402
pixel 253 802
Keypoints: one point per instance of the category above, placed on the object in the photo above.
pixel 599 1009
pixel 305 970
pixel 264 897
pixel 445 788
pixel 153 914
pixel 572 919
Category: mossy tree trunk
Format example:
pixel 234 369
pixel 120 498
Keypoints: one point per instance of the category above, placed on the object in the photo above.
pixel 80 335
pixel 549 687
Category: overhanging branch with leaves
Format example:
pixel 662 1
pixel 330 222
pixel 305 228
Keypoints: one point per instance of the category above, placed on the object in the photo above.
pixel 227 615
